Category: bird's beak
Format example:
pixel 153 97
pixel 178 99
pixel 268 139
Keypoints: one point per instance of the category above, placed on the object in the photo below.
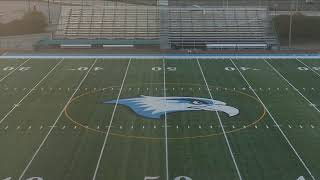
pixel 231 111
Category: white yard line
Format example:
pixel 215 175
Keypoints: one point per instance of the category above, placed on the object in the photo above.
pixel 294 88
pixel 165 117
pixel 25 96
pixel 11 72
pixel 274 121
pixel 56 121
pixel 308 67
pixel 110 124
pixel 221 124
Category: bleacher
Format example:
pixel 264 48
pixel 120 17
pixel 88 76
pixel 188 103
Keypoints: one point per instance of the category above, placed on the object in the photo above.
pixel 110 22
pixel 193 27
pixel 220 28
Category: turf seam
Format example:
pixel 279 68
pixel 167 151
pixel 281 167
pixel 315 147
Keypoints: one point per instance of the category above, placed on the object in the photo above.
pixel 221 124
pixel 275 122
pixel 56 121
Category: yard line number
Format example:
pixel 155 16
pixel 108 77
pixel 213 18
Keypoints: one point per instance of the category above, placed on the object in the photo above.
pixel 316 68
pixel 167 68
pixel 10 68
pixel 158 177
pixel 241 68
pixel 84 68
pixel 145 178
pixel 30 178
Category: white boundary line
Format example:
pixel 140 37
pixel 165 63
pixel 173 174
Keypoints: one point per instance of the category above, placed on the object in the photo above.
pixel 111 120
pixel 11 72
pixel 25 96
pixel 294 88
pixel 56 121
pixel 273 119
pixel 221 124
pixel 308 66
pixel 165 117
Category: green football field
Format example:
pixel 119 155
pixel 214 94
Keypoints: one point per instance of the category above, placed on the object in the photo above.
pixel 159 119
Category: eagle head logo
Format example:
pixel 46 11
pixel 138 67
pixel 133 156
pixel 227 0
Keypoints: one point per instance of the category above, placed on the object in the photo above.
pixel 154 107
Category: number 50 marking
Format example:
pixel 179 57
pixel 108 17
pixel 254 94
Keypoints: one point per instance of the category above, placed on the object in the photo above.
pixel 158 177
pixel 167 68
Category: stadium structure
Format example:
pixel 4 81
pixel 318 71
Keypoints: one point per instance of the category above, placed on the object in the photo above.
pixel 164 26
pixel 160 90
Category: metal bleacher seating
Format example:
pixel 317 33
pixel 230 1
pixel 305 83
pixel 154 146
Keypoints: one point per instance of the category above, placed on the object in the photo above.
pixel 109 22
pixel 188 27
pixel 220 27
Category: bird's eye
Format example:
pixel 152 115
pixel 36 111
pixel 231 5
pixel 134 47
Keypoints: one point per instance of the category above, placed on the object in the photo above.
pixel 196 102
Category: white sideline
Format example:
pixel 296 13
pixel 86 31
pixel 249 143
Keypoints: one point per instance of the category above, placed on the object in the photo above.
pixel 111 120
pixel 221 124
pixel 25 96
pixel 275 122
pixel 165 117
pixel 56 121
pixel 3 78
pixel 294 88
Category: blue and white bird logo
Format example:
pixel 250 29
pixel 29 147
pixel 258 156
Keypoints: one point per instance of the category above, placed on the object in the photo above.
pixel 155 107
